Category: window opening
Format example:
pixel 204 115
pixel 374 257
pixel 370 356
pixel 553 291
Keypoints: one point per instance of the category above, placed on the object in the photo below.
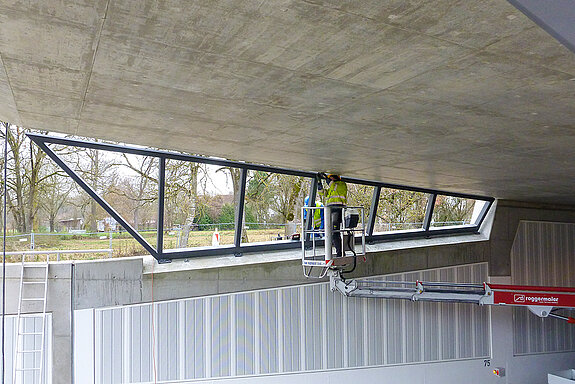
pixel 199 205
pixel 272 207
pixel 360 195
pixel 453 211
pixel 400 210
pixel 128 183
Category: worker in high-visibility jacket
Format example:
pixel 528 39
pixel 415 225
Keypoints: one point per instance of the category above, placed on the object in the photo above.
pixel 336 199
pixel 317 214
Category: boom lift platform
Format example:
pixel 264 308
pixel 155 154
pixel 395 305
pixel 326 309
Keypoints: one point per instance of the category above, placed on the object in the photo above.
pixel 317 252
pixel 317 245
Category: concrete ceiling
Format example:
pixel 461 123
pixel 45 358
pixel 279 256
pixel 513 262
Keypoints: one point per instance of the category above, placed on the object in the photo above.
pixel 458 95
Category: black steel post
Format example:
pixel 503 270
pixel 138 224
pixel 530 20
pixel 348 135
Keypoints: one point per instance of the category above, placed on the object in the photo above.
pixel 240 211
pixel 161 205
pixel 486 206
pixel 373 210
pixel 429 211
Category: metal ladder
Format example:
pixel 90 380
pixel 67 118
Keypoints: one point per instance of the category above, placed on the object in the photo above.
pixel 25 366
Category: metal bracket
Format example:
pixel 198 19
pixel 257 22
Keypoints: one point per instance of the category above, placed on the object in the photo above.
pixel 346 288
pixel 539 310
pixel 487 298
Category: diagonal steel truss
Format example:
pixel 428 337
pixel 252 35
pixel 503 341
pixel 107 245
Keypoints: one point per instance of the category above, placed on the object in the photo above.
pixel 238 248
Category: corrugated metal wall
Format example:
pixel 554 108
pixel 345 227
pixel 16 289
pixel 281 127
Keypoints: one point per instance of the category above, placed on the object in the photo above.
pixel 293 329
pixel 543 254
pixel 31 342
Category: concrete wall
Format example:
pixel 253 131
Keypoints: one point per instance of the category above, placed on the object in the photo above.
pixel 95 284
pixel 200 282
pixel 287 330
pixel 91 284
pixel 507 218
pixel 107 282
pixel 59 303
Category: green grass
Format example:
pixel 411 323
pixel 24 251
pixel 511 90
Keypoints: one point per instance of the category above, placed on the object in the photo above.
pixel 123 244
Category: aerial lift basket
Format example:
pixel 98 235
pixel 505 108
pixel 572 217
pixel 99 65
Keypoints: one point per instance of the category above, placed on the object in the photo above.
pixel 318 255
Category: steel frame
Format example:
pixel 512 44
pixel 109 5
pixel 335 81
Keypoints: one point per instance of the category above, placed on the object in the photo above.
pixel 238 248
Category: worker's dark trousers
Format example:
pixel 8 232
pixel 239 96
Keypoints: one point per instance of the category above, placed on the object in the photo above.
pixel 336 219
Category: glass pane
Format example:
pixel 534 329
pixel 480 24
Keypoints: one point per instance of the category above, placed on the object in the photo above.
pixel 400 210
pixel 128 183
pixel 199 205
pixel 450 211
pixel 273 204
pixel 360 196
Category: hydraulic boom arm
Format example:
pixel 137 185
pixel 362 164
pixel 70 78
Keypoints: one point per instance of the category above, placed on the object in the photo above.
pixel 542 301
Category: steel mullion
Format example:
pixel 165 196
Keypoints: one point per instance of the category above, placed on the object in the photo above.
pixel 373 210
pixel 107 207
pixel 429 211
pixel 483 213
pixel 161 205
pixel 239 219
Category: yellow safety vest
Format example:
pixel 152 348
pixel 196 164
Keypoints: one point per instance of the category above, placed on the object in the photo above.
pixel 336 193
pixel 317 216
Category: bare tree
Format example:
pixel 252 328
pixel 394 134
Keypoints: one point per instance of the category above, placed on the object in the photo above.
pixel 288 196
pixel 276 192
pixel 235 174
pixel 360 196
pixel 403 208
pixel 55 192
pixel 94 177
pixel 27 174
pixel 450 210
pixel 99 172
pixel 182 186
pixel 181 194
pixel 143 192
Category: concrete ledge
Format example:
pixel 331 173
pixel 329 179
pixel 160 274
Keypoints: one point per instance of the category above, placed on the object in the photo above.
pixel 151 265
